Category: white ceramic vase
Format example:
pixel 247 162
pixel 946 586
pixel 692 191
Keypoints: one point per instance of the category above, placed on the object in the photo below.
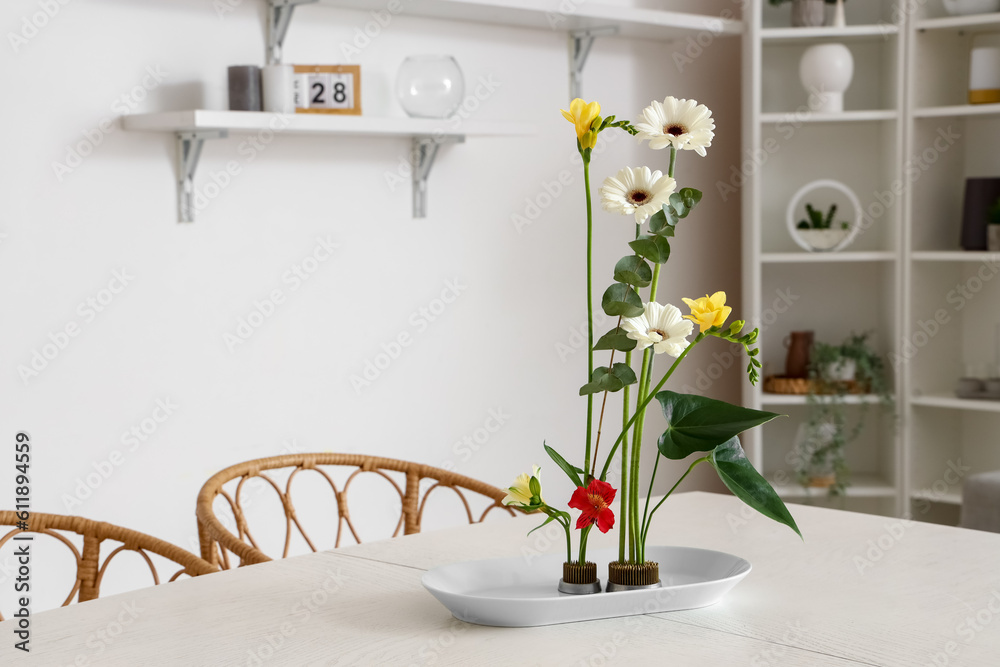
pixel 839 16
pixel 984 69
pixel 826 71
pixel 962 7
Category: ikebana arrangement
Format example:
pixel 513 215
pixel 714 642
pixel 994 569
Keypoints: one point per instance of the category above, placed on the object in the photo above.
pixel 645 331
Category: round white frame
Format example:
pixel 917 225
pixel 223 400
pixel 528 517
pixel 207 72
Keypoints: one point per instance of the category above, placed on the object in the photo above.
pixel 793 205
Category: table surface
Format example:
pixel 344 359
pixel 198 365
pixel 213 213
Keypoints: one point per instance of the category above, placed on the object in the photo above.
pixel 859 590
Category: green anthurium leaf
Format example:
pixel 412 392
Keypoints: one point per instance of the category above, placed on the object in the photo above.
pixel 735 471
pixel 609 379
pixel 571 471
pixel 616 339
pixel 621 300
pixel 655 248
pixel 699 424
pixel 633 270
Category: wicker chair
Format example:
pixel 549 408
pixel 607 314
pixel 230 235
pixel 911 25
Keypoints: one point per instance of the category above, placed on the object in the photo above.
pixel 217 541
pixel 90 570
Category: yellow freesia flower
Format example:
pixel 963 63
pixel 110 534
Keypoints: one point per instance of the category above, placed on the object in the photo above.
pixel 583 115
pixel 708 311
pixel 520 495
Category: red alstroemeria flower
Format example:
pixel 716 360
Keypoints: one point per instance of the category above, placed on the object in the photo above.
pixel 595 504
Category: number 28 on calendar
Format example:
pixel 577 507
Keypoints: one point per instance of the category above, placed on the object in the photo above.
pixel 328 89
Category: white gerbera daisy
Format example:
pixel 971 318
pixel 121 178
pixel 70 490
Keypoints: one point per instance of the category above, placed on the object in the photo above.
pixel 636 191
pixel 685 124
pixel 659 326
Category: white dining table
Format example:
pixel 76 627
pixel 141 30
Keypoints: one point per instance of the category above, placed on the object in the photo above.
pixel 857 590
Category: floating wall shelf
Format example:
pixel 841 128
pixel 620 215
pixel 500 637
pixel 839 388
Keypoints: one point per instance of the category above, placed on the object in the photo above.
pixel 192 128
pixel 583 23
pixel 552 15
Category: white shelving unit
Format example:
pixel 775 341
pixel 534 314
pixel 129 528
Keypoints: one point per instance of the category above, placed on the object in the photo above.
pixel 837 293
pixel 582 23
pixel 937 308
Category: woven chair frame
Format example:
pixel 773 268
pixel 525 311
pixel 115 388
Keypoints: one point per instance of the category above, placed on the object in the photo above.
pixel 90 570
pixel 218 541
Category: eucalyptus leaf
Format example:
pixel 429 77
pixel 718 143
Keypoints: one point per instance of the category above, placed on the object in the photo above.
pixel 655 248
pixel 616 339
pixel 621 300
pixel 609 379
pixel 699 424
pixel 735 471
pixel 633 270
pixel 690 197
pixel 662 224
pixel 571 471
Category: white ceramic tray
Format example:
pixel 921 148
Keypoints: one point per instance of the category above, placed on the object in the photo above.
pixel 521 592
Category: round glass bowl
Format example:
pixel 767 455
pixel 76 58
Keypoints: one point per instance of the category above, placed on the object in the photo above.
pixel 430 86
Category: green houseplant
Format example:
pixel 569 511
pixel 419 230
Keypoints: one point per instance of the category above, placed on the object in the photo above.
pixel 836 370
pixel 809 13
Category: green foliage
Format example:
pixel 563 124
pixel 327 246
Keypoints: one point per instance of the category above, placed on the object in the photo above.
pixel 571 470
pixel 620 299
pixel 611 379
pixel 700 424
pixel 633 270
pixel 817 220
pixel 616 339
pixel 740 477
pixel 654 247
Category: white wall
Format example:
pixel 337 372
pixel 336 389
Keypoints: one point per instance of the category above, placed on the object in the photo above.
pixel 289 385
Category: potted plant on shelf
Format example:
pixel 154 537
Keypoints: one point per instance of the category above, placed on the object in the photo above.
pixel 819 231
pixel 646 332
pixel 811 13
pixel 836 371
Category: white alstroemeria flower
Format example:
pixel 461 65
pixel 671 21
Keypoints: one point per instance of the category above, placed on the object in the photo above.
pixel 685 124
pixel 659 326
pixel 519 494
pixel 636 191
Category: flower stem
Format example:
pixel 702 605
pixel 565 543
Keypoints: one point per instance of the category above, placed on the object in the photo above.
pixel 645 402
pixel 583 543
pixel 600 420
pixel 623 484
pixel 590 309
pixel 645 511
pixel 645 528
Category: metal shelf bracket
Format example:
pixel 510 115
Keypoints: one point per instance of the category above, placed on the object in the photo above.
pixel 279 16
pixel 424 151
pixel 189 146
pixel 580 42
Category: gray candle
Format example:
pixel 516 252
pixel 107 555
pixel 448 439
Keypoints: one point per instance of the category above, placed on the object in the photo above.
pixel 244 88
